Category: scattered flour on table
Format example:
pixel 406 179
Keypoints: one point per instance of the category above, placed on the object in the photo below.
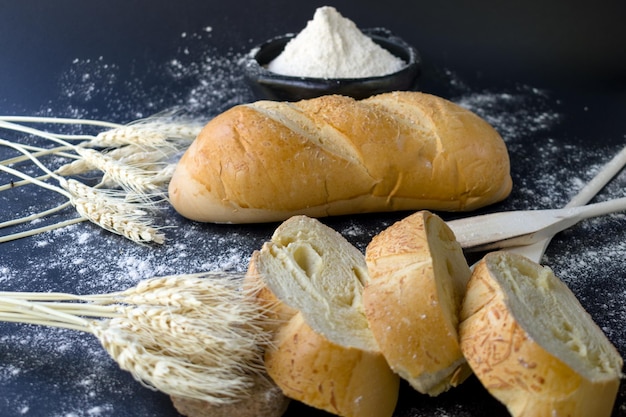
pixel 39 352
pixel 515 115
pixel 201 80
pixel 332 46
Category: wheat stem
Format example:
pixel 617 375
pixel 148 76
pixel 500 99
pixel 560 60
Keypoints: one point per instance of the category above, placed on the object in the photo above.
pixel 38 152
pixel 20 318
pixel 15 184
pixel 36 132
pixel 41 296
pixel 34 216
pixel 126 176
pixel 30 310
pixel 115 216
pixel 139 167
pixel 36 231
pixel 34 180
pixel 31 157
pixel 78 309
pixel 130 155
pixel 59 120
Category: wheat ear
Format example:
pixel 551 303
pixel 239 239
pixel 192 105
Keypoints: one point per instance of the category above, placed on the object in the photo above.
pixel 132 155
pixel 101 207
pixel 195 336
pixel 160 131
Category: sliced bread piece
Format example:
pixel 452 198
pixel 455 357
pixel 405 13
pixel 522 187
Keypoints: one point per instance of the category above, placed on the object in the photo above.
pixel 323 353
pixel 533 345
pixel 418 278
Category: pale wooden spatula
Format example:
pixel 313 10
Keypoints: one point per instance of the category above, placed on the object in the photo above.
pixel 524 227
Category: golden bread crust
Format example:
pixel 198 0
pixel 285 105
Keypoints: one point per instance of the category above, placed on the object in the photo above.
pixel 344 381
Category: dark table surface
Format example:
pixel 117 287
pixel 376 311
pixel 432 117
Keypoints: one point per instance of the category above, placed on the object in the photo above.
pixel 550 76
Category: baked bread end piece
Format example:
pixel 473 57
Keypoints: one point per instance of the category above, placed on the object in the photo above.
pixel 532 344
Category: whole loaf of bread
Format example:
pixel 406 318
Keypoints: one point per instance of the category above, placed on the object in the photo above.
pixel 333 155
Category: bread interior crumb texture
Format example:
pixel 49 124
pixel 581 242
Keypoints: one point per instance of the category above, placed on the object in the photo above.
pixel 327 275
pixel 552 316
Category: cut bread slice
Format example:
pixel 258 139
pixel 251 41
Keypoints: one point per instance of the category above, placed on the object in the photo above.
pixel 532 344
pixel 418 276
pixel 323 353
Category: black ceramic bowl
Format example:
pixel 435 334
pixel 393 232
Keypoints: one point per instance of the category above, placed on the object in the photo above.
pixel 272 86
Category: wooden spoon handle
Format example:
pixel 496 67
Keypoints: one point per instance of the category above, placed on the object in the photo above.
pixel 593 187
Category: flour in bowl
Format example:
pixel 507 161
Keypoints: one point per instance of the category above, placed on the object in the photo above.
pixel 331 46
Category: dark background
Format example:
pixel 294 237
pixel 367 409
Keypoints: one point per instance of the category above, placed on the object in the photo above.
pixel 575 44
pixel 570 57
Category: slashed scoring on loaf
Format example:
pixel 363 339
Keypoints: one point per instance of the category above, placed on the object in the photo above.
pixel 323 136
pixel 405 115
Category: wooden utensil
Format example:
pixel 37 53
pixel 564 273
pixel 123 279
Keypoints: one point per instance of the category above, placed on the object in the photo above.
pixel 524 227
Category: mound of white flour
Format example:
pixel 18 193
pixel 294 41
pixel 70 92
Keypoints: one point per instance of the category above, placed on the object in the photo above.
pixel 331 46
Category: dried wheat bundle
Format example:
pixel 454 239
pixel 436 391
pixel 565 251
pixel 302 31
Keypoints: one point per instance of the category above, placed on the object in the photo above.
pixel 133 164
pixel 195 336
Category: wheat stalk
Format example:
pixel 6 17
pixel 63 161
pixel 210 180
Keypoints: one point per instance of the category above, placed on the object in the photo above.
pixel 103 208
pixel 38 230
pixel 15 184
pixel 117 200
pixel 118 217
pixel 39 152
pixel 196 336
pixel 34 216
pixel 126 176
pixel 139 171
pixel 59 120
pixel 152 131
pixel 112 212
pixel 80 165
